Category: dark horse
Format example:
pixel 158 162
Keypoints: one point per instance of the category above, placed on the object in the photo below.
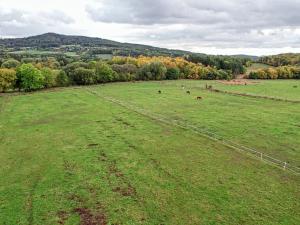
pixel 188 92
pixel 159 92
pixel 199 98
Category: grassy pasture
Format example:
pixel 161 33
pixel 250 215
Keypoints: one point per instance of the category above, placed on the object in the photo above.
pixel 284 89
pixel 40 52
pixel 69 156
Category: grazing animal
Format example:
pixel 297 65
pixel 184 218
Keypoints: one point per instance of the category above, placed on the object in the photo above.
pixel 188 92
pixel 199 98
pixel 159 92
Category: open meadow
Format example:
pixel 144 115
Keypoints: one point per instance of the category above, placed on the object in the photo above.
pixel 123 153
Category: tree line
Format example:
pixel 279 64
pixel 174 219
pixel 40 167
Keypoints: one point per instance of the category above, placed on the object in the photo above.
pixel 281 59
pixel 281 72
pixel 235 64
pixel 34 74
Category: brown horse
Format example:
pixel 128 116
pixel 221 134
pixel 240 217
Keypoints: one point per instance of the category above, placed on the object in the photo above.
pixel 188 92
pixel 199 98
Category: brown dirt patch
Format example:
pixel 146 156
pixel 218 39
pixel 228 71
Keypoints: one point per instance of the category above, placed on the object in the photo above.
pixel 125 191
pixel 114 170
pixel 63 216
pixel 89 218
pixel 238 82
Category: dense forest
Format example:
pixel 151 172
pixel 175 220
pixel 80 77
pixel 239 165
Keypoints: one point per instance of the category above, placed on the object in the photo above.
pixel 281 59
pixel 34 74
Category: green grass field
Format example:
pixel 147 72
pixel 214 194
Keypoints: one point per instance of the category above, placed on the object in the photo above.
pixel 284 89
pixel 72 156
pixel 39 52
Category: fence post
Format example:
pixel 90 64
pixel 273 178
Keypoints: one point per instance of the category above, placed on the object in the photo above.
pixel 284 165
pixel 261 156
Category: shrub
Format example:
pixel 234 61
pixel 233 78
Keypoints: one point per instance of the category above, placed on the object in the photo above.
pixel 29 78
pixel 284 72
pixel 49 77
pixel 224 75
pixel 124 72
pixel 84 76
pixel 10 64
pixel 104 73
pixel 7 79
pixel 173 73
pixel 62 80
pixel 271 73
pixel 296 72
pixel 152 71
pixel 70 69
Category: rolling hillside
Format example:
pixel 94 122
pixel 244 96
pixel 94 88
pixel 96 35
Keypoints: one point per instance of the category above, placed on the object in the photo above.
pixel 53 41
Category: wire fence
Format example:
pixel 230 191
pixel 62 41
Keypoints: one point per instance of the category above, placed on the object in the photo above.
pixel 205 133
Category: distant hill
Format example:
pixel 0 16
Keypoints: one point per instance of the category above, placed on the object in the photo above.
pixel 52 40
pixel 241 56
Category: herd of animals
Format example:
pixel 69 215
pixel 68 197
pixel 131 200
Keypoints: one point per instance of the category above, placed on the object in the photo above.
pixel 188 92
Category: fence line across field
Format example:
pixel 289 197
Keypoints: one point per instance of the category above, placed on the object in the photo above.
pixel 205 133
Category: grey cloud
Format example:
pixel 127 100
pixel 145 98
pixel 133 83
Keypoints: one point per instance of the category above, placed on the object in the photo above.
pixel 219 23
pixel 263 13
pixel 154 12
pixel 22 23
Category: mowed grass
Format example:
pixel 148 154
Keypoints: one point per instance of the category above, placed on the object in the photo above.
pixel 71 157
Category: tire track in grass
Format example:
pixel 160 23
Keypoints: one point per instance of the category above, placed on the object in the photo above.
pixel 30 201
pixel 250 95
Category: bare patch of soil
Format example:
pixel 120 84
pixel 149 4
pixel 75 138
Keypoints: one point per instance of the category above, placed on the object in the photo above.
pixel 63 216
pixel 125 191
pixel 89 218
pixel 238 82
pixel 122 186
pixel 113 170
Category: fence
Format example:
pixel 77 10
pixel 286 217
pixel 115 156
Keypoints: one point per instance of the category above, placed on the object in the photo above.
pixel 184 125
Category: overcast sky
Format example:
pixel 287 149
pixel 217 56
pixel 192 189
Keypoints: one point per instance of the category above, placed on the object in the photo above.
pixel 210 26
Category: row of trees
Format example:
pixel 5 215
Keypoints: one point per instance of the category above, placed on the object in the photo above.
pixel 282 72
pixel 29 78
pixel 234 64
pixel 281 59
pixel 175 68
pixel 51 73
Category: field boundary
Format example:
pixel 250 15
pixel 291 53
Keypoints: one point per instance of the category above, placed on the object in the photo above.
pixel 250 95
pixel 202 132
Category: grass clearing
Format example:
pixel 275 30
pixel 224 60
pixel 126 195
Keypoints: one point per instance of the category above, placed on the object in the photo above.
pixel 69 157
